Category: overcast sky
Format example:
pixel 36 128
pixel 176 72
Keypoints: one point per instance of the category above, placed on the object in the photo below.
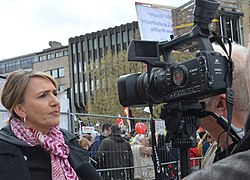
pixel 27 26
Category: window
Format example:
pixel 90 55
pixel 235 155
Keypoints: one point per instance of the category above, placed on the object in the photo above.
pixel 26 63
pixel 42 58
pixel 78 47
pixel 106 42
pixel 75 68
pixel 59 54
pixel 12 66
pixel 65 52
pixel 80 67
pixel 118 39
pixel 92 85
pixel 112 39
pixel 61 72
pixel 95 43
pixel 130 35
pixel 86 86
pixel 76 86
pixel 83 46
pixel 2 68
pixel 100 42
pixel 124 36
pixel 61 87
pixel 81 87
pixel 90 45
pixel 90 48
pixel 51 56
pixel 85 66
pixel 54 73
pixel 74 48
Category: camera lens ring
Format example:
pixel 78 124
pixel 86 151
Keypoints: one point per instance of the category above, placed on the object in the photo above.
pixel 180 75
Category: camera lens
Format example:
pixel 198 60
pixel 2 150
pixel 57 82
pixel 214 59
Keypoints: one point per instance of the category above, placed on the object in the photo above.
pixel 180 75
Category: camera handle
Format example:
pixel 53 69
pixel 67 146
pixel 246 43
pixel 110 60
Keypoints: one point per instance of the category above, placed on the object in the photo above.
pixel 182 121
pixel 224 124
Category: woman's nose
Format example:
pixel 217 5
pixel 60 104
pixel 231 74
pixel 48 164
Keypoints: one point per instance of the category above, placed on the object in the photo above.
pixel 54 101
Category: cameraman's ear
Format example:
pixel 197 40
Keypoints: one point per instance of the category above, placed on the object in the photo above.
pixel 221 103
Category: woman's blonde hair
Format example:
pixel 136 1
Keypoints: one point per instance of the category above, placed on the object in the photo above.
pixel 15 87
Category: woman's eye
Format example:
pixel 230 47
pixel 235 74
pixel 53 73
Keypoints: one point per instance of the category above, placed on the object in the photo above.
pixel 43 95
pixel 55 93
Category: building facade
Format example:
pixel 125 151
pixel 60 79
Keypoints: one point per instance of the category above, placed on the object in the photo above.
pixel 245 7
pixel 55 61
pixel 88 50
pixel 15 63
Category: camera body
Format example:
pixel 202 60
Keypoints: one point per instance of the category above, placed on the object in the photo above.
pixel 195 79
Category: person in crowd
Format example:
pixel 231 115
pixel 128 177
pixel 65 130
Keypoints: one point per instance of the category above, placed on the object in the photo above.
pixel 115 152
pixel 202 138
pixel 142 156
pixel 89 137
pixel 194 163
pixel 32 146
pixel 205 143
pixel 85 143
pixel 106 131
pixel 227 168
pixel 218 105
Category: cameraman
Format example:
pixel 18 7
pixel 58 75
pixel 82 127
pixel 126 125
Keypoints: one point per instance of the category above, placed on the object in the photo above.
pixel 218 105
pixel 227 168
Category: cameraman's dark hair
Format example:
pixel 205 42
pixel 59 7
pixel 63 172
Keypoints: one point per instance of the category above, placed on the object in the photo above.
pixel 106 126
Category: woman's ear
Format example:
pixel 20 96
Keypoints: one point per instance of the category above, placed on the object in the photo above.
pixel 18 109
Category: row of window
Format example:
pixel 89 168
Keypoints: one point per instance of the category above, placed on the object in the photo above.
pixel 53 55
pixel 127 36
pixel 56 73
pixel 14 65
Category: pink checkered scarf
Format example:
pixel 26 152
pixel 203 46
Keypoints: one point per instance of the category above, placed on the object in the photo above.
pixel 53 142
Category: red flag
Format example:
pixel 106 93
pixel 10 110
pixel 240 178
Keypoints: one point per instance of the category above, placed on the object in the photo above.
pixel 119 121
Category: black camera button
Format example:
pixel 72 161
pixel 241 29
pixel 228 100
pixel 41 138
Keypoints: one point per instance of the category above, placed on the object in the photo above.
pixel 197 88
pixel 188 90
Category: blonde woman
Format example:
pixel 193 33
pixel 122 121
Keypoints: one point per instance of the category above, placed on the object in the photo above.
pixel 32 146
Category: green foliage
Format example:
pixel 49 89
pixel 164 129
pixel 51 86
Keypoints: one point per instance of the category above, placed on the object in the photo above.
pixel 105 99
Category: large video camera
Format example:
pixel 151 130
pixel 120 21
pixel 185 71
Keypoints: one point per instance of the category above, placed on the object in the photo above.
pixel 170 81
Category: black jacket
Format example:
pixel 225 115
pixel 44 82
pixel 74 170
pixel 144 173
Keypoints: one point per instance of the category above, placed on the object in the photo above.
pixel 12 162
pixel 115 152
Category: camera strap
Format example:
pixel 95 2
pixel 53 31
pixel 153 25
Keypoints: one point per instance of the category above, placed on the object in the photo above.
pixel 157 164
pixel 229 78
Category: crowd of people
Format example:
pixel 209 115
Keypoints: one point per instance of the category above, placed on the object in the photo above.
pixel 120 156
